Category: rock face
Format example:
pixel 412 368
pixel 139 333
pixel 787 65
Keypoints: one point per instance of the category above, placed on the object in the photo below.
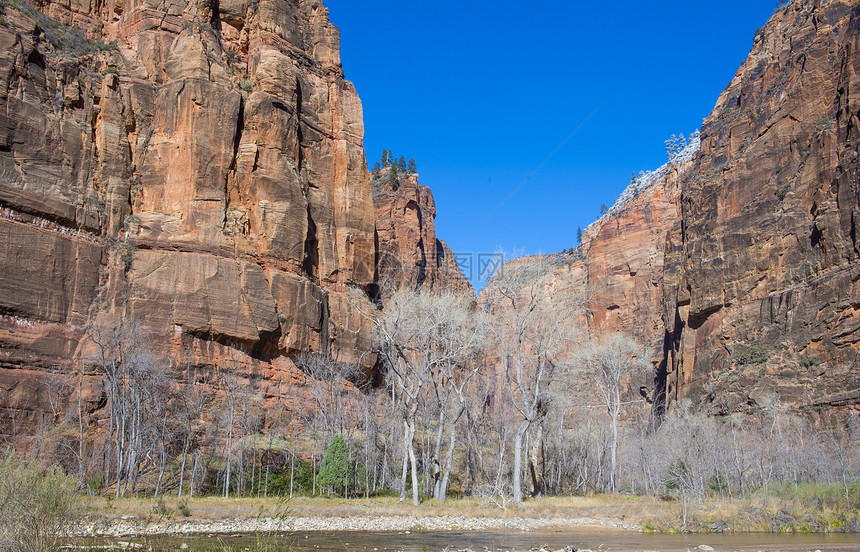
pixel 204 173
pixel 761 274
pixel 410 254
pixel 739 268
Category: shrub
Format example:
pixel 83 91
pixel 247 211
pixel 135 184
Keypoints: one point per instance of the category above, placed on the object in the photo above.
pixel 96 483
pixel 718 483
pixel 302 479
pixel 809 362
pixel 125 250
pixel 384 492
pixel 183 509
pixel 824 124
pixel 37 505
pixel 161 508
pixel 678 476
pixel 753 355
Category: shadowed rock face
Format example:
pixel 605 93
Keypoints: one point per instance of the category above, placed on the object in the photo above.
pixel 411 256
pixel 206 175
pixel 739 269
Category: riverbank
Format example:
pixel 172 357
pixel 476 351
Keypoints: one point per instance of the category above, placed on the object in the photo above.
pixel 216 515
pixel 131 517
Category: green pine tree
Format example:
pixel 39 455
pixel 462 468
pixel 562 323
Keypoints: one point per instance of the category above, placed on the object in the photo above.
pixel 334 471
pixel 376 168
pixel 392 178
pixel 401 164
pixel 412 168
pixel 579 235
pixel 385 161
pixel 603 209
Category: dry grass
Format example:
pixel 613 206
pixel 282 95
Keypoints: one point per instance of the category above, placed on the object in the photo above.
pixel 809 509
pixel 600 507
pixel 759 512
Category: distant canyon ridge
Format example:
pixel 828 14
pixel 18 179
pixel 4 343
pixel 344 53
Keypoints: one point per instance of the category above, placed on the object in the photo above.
pixel 200 167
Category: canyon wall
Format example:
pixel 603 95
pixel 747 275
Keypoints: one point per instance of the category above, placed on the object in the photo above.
pixel 197 166
pixel 760 293
pixel 737 265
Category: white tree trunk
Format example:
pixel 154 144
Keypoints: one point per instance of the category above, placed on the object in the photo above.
pixel 413 463
pixel 518 462
pixel 406 446
pixel 613 454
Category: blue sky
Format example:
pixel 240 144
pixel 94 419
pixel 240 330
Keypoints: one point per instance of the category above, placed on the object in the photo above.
pixel 481 94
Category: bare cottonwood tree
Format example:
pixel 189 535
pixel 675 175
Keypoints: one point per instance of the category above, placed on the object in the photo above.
pixel 232 398
pixel 400 336
pixel 327 378
pixel 418 338
pixel 192 402
pixel 136 389
pixel 610 361
pixel 533 334
pixel 459 335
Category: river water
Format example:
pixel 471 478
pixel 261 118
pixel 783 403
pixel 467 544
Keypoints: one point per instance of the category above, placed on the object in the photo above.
pixel 420 541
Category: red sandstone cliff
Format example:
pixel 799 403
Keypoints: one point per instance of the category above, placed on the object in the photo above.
pixel 739 268
pixel 761 279
pixel 204 174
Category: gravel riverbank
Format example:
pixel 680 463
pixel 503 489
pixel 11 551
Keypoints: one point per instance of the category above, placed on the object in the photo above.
pixel 130 526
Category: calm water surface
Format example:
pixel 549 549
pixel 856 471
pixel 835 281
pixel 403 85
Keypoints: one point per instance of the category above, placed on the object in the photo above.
pixel 365 541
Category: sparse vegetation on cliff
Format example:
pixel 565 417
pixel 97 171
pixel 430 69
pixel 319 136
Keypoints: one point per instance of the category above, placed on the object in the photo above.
pixel 751 356
pixel 389 171
pixel 65 39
